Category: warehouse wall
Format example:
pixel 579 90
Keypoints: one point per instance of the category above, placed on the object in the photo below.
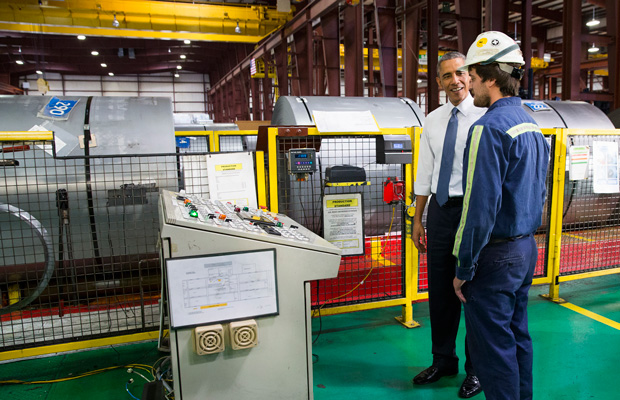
pixel 188 92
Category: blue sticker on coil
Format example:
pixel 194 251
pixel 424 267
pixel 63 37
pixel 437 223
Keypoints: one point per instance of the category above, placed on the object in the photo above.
pixel 182 142
pixel 57 109
pixel 537 106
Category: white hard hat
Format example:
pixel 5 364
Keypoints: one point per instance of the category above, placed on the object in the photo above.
pixel 494 47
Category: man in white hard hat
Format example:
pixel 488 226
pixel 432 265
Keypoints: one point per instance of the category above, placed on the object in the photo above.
pixel 440 171
pixel 505 168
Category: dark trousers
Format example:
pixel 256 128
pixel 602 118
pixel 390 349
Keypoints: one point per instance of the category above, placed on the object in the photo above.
pixel 445 307
pixel 496 318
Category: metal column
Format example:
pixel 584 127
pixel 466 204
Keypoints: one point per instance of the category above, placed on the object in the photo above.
pixel 432 53
pixel 571 49
pixel 353 51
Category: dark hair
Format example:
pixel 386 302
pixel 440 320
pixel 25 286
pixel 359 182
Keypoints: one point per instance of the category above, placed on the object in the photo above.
pixel 451 55
pixel 507 85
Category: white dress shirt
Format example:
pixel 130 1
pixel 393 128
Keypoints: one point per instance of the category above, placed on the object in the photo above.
pixel 431 147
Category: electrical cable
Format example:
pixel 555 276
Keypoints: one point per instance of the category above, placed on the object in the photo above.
pixel 131 371
pixel 83 375
pixel 127 389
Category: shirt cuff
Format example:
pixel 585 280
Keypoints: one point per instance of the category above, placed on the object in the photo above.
pixel 421 190
pixel 466 274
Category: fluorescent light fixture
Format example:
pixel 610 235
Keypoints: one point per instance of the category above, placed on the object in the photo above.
pixel 104 65
pixel 183 56
pixel 81 37
pixel 111 73
pixel 593 49
pixel 179 67
pixel 39 72
pixel 187 41
pixel 94 53
pixel 20 62
pixel 593 21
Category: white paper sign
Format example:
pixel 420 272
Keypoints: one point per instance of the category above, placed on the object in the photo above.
pixel 345 121
pixel 605 168
pixel 223 287
pixel 231 178
pixel 343 221
pixel 579 156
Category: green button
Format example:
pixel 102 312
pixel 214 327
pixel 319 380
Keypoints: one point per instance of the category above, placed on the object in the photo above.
pixel 279 224
pixel 193 213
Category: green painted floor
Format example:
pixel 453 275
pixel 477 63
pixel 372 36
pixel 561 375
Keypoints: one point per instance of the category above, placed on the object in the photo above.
pixel 368 355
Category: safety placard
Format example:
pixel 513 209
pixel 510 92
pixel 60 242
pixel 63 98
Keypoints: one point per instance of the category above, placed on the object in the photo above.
pixel 344 222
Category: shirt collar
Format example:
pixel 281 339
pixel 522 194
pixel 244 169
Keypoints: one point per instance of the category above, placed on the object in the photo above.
pixel 464 106
pixel 506 101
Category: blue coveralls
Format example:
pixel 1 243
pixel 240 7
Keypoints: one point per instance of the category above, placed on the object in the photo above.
pixel 504 173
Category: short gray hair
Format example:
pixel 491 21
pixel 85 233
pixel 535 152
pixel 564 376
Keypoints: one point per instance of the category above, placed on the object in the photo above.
pixel 451 55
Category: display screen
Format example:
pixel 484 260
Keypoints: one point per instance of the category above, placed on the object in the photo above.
pixel 301 155
pixel 399 146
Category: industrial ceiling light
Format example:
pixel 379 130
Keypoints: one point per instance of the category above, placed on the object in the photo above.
pixel 187 41
pixel 104 65
pixel 115 23
pixel 593 21
pixel 111 73
pixel 20 62
pixel 94 53
pixel 179 67
pixel 81 37
pixel 176 75
pixel 183 56
pixel 39 72
pixel 237 29
pixel 593 49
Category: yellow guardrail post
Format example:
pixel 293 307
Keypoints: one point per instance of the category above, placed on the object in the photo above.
pixel 411 265
pixel 272 156
pixel 555 220
pixel 261 186
pixel 414 255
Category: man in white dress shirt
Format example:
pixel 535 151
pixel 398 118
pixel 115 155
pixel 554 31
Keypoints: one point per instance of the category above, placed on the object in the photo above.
pixel 448 126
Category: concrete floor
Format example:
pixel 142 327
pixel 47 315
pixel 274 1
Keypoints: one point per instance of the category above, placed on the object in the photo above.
pixel 368 355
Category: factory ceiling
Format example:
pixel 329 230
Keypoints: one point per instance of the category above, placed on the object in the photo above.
pixel 140 36
pixel 130 36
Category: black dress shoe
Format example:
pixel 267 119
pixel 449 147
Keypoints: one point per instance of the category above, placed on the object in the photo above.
pixel 433 374
pixel 470 387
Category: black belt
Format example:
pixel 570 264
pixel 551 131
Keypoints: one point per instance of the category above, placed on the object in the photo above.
pixel 497 240
pixel 454 202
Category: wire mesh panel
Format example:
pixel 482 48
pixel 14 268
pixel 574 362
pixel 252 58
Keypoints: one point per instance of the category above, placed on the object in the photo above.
pixel 236 142
pixel 542 234
pixel 591 218
pixel 377 272
pixel 193 144
pixel 78 242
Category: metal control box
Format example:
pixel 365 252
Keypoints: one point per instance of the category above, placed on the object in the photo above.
pixel 301 161
pixel 394 149
pixel 268 357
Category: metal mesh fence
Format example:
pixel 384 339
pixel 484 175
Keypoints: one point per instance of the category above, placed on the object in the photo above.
pixel 78 237
pixel 591 218
pixel 378 273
